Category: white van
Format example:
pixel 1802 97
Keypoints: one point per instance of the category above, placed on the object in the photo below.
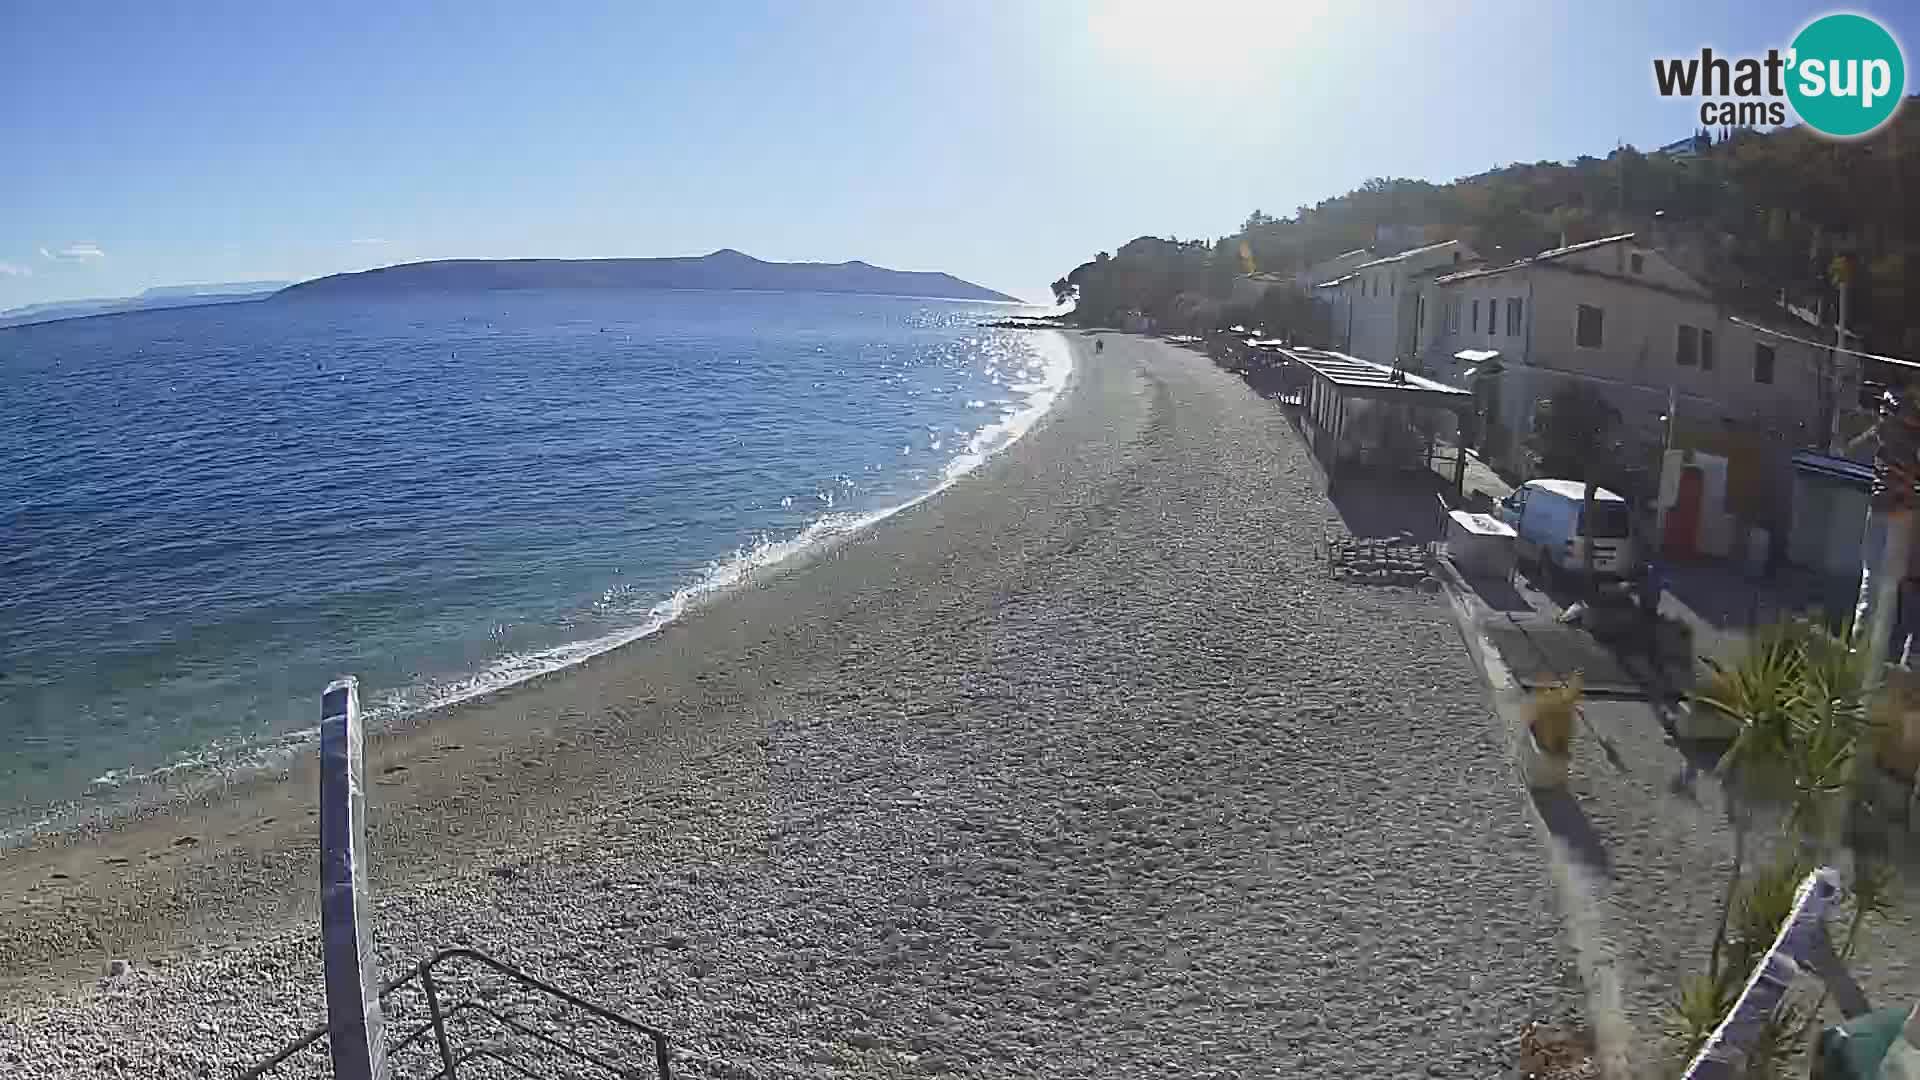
pixel 1545 516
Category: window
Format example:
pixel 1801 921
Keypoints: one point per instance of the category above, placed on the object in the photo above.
pixel 1706 350
pixel 1453 315
pixel 1475 326
pixel 1392 284
pixel 1763 364
pixel 1610 521
pixel 1513 317
pixel 1587 329
pixel 1419 313
pixel 1639 262
pixel 1686 349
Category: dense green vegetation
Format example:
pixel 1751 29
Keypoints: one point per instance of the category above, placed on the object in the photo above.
pixel 1755 214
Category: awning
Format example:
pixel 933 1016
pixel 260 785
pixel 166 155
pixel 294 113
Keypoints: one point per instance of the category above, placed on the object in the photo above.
pixel 1477 356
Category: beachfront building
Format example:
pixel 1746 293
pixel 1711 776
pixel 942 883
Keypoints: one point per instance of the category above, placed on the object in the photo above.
pixel 1683 374
pixel 1380 303
pixel 1617 316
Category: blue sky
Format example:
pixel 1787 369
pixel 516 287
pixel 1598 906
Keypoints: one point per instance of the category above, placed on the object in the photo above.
pixel 155 144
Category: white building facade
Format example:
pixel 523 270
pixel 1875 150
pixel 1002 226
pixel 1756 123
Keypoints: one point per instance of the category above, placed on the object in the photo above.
pixel 1380 304
pixel 1621 318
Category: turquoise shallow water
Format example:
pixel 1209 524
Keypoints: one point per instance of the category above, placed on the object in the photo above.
pixel 207 514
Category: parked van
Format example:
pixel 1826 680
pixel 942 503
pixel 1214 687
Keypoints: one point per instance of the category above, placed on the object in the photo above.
pixel 1545 515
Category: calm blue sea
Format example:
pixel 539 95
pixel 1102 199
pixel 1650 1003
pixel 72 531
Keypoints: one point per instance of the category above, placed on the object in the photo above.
pixel 205 515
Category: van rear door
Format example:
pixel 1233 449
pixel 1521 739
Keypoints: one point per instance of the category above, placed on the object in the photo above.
pixel 1612 551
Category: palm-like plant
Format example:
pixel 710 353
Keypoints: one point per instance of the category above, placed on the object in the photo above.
pixel 1798 696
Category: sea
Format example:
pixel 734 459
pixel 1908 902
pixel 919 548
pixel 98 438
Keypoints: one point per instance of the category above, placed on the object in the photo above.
pixel 208 514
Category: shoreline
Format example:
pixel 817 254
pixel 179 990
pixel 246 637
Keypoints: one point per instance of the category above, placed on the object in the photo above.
pixel 257 811
pixel 1082 767
pixel 211 772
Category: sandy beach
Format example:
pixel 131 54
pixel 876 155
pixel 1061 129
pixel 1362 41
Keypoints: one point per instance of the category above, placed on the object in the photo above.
pixel 1081 768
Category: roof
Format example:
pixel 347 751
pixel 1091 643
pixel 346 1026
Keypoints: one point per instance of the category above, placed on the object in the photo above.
pixel 1573 489
pixel 1343 257
pixel 1546 256
pixel 1353 373
pixel 1856 473
pixel 1407 254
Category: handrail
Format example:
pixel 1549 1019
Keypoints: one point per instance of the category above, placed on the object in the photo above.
pixel 1801 944
pixel 437 1016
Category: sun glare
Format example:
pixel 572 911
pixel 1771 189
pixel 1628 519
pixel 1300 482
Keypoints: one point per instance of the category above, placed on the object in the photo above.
pixel 1201 41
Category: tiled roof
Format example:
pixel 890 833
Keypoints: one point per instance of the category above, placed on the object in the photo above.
pixel 1407 254
pixel 1545 256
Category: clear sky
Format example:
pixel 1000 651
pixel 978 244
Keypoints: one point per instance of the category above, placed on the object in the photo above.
pixel 148 144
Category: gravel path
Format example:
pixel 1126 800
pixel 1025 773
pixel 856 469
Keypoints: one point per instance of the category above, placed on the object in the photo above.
pixel 1081 769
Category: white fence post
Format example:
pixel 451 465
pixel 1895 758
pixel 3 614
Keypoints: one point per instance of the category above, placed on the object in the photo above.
pixel 352 974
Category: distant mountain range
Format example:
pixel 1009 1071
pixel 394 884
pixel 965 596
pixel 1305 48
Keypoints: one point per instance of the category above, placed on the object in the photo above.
pixel 165 296
pixel 724 269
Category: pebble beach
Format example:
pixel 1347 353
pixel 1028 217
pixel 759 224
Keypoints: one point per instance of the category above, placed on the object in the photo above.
pixel 1084 767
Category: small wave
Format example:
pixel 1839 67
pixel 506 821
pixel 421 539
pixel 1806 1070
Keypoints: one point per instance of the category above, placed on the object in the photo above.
pixel 227 761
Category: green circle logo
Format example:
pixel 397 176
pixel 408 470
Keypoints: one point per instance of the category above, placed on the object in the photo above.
pixel 1847 75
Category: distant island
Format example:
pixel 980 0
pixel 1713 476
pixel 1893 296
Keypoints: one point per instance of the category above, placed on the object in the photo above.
pixel 165 296
pixel 725 269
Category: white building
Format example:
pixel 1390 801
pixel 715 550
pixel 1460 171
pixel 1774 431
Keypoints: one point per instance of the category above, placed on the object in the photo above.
pixel 1620 317
pixel 1379 305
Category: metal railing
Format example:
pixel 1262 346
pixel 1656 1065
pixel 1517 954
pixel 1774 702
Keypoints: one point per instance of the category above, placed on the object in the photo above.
pixel 1801 946
pixel 474 1036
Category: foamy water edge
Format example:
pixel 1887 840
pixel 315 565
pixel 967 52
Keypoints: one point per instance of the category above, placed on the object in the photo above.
pixel 227 762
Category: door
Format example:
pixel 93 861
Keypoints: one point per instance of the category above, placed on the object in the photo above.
pixel 1683 517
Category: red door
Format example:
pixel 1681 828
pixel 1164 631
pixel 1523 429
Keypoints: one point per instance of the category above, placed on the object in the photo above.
pixel 1683 517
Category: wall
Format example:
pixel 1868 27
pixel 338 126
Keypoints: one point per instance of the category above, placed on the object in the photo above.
pixel 1639 344
pixel 1484 290
pixel 1377 307
pixel 1383 321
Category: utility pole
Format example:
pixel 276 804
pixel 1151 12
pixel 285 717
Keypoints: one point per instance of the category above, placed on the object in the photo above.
pixel 1896 468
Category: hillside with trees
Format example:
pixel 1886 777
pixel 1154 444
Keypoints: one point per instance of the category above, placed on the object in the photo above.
pixel 1754 215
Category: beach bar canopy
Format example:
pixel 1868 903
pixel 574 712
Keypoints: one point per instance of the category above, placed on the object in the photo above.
pixel 1358 412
